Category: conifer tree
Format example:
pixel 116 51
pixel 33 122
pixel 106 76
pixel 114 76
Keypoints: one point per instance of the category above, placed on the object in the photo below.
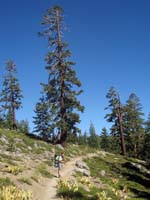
pixel 2 121
pixel 93 139
pixel 60 90
pixel 42 119
pixel 147 125
pixel 82 138
pixel 23 126
pixel 11 96
pixel 85 138
pixel 116 118
pixel 134 125
pixel 105 140
pixel 146 143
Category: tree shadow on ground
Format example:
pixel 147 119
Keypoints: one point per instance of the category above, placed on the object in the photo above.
pixel 140 194
pixel 137 179
pixel 76 195
pixel 135 169
pixel 133 174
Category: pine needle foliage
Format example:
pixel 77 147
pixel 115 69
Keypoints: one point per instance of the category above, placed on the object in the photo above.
pixel 116 118
pixel 42 118
pixel 61 88
pixel 134 125
pixel 11 94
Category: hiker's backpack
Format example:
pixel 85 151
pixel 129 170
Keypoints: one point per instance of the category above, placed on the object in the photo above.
pixel 56 161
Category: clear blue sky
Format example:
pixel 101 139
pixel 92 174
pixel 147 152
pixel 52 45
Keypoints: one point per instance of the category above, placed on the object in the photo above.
pixel 110 42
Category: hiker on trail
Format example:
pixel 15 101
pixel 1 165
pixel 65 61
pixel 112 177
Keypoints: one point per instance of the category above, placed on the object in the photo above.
pixel 59 159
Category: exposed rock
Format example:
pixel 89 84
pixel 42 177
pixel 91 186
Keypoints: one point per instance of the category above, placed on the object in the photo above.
pixel 84 172
pixel 7 153
pixel 59 146
pixel 102 172
pixel 103 153
pixel 36 146
pixel 140 168
pixel 47 155
pixel 18 151
pixel 4 140
pixel 82 168
pixel 29 148
pixel 18 140
pixel 81 165
pixel 137 167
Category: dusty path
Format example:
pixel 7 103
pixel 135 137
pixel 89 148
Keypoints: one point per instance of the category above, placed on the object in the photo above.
pixel 50 190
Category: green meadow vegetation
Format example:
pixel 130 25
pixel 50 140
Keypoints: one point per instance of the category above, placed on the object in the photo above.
pixel 112 177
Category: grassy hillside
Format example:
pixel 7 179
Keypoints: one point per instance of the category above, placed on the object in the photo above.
pixel 26 165
pixel 113 177
pixel 124 178
pixel 26 162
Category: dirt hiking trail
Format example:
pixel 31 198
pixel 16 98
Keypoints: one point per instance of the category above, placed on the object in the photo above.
pixel 50 190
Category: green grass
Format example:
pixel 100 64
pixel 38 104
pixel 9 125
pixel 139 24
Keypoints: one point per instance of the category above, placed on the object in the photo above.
pixel 7 159
pixel 25 180
pixel 42 169
pixel 35 177
pixel 5 182
pixel 14 169
pixel 49 162
pixel 81 194
pixel 23 143
pixel 120 182
pixel 116 167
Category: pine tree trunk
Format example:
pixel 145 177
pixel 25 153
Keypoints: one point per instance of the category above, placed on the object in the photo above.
pixel 63 138
pixel 63 134
pixel 14 119
pixel 123 148
pixel 13 114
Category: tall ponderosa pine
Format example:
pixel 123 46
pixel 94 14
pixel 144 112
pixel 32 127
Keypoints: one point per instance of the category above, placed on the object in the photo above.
pixel 11 96
pixel 115 117
pixel 42 119
pixel 134 125
pixel 60 89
